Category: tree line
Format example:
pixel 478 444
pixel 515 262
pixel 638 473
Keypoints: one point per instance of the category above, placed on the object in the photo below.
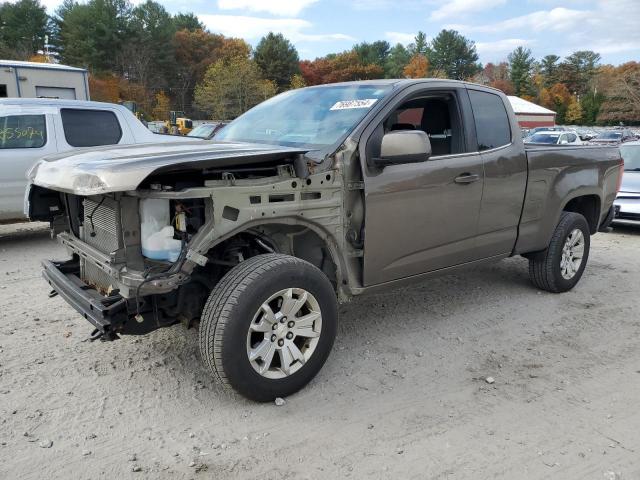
pixel 166 62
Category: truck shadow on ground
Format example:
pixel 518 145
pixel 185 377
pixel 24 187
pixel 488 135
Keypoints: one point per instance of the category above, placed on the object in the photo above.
pixel 625 229
pixel 437 304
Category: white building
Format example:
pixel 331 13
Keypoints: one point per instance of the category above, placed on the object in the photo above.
pixel 530 115
pixel 35 80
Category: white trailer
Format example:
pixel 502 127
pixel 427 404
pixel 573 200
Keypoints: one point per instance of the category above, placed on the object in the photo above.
pixel 42 80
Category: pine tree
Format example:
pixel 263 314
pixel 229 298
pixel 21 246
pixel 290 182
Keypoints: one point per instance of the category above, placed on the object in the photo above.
pixel 278 59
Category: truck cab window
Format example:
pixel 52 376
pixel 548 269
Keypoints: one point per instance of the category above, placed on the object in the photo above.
pixel 3 91
pixel 436 116
pixel 90 128
pixel 22 131
pixel 491 119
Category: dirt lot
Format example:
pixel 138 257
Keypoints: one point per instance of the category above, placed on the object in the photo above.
pixel 403 395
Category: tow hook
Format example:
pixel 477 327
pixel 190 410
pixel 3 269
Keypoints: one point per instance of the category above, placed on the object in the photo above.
pixel 53 293
pixel 102 336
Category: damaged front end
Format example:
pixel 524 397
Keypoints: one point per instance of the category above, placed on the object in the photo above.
pixel 117 280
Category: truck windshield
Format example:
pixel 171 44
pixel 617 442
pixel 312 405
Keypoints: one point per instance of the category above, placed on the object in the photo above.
pixel 548 138
pixel 308 118
pixel 631 156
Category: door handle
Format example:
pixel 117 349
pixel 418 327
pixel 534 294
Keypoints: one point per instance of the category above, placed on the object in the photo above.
pixel 467 178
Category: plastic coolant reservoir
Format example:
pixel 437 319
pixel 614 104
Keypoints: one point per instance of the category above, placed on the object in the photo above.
pixel 156 233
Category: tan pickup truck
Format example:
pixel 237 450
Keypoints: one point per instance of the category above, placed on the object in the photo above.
pixel 311 198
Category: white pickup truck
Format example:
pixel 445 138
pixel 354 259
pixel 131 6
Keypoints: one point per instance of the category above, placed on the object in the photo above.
pixel 34 128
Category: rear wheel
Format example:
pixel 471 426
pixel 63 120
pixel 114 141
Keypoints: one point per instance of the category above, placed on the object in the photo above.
pixel 269 326
pixel 560 267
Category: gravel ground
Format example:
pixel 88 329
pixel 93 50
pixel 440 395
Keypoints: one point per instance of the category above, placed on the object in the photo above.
pixel 403 395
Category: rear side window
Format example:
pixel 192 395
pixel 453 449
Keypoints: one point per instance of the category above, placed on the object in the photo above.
pixel 90 128
pixel 23 131
pixel 491 119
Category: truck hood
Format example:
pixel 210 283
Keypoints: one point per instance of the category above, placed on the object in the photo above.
pixel 630 182
pixel 104 170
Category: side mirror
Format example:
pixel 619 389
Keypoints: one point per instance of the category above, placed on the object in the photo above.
pixel 404 146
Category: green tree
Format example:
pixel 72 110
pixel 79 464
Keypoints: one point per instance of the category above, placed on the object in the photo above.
pixel 578 70
pixel 231 87
pixel 147 57
pixel 420 45
pixel 521 64
pixel 92 34
pixel 591 103
pixel 187 21
pixel 549 69
pixel 6 52
pixel 453 56
pixel 376 53
pixel 397 59
pixel 23 26
pixel 277 58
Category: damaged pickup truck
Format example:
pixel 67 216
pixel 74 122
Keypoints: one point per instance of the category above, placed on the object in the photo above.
pixel 310 198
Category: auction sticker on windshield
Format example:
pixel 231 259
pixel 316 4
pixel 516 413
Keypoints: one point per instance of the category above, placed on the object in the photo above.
pixel 349 104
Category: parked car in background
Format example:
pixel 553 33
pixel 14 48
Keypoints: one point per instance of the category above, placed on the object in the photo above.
pixel 546 129
pixel 206 130
pixel 31 128
pixel 613 137
pixel 258 234
pixel 586 134
pixel 158 127
pixel 627 203
pixel 554 138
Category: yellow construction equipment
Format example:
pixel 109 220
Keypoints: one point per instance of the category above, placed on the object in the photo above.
pixel 177 119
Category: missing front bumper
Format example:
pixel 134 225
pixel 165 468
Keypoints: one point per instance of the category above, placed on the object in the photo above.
pixel 110 315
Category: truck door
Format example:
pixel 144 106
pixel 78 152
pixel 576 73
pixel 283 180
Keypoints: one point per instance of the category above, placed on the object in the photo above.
pixel 505 173
pixel 25 137
pixel 422 217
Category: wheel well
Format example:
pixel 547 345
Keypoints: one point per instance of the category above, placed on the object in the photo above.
pixel 295 240
pixel 589 207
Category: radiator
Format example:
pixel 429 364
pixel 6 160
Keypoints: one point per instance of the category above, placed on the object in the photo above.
pixel 102 230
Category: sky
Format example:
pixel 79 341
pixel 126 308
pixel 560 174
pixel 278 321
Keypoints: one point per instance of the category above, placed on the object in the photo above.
pixel 318 27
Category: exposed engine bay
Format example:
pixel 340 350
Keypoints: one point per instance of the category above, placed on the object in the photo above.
pixel 157 252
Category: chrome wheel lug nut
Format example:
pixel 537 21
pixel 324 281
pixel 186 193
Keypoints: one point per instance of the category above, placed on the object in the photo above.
pixel 289 335
pixel 273 337
pixel 291 324
pixel 280 342
pixel 274 326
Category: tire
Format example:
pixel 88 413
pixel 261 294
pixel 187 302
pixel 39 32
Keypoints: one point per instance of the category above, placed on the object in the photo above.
pixel 236 308
pixel 545 268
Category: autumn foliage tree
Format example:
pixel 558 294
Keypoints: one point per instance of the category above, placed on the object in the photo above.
pixel 162 106
pixel 622 95
pixel 195 51
pixel 231 87
pixel 341 67
pixel 418 67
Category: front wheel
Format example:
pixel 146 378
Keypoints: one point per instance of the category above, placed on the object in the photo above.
pixel 560 267
pixel 269 326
